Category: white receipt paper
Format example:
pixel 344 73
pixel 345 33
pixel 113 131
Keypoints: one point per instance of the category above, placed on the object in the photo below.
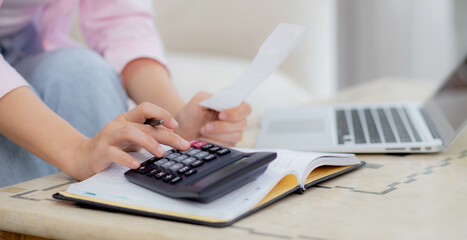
pixel 272 53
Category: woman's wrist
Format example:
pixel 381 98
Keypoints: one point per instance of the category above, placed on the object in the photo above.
pixel 73 160
pixel 146 80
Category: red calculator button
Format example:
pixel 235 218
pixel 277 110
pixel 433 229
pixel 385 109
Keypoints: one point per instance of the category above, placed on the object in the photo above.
pixel 193 142
pixel 198 144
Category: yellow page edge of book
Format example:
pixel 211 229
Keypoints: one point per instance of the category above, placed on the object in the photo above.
pixel 323 171
pixel 287 183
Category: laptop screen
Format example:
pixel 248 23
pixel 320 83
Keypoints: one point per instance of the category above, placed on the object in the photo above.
pixel 447 108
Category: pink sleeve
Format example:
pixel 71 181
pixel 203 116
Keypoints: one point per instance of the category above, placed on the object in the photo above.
pixel 121 30
pixel 10 78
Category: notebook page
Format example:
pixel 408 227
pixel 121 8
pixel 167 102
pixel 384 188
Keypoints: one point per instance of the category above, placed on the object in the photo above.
pixel 112 185
pixel 304 162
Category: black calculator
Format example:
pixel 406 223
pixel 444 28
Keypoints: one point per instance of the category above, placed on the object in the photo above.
pixel 202 173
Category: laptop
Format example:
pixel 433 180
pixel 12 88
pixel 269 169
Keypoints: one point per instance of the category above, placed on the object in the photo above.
pixel 391 127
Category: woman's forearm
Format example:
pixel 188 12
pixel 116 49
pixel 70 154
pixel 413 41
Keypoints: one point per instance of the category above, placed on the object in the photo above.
pixel 28 122
pixel 147 80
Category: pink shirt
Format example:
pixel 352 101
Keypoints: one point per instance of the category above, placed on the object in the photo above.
pixel 120 31
pixel 15 15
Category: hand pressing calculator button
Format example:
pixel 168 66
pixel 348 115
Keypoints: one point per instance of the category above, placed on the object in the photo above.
pixel 203 173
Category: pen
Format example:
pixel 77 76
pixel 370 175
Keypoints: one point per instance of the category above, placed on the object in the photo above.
pixel 154 122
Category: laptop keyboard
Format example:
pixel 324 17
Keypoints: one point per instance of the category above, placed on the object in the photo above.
pixel 342 126
pixel 386 127
pixel 357 127
pixel 375 126
pixel 401 130
pixel 372 128
pixel 412 126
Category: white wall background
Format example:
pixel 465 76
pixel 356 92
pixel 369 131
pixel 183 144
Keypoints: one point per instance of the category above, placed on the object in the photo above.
pixel 396 38
pixel 348 41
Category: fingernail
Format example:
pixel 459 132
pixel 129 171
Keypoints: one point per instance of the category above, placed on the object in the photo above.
pixel 173 122
pixel 160 150
pixel 209 127
pixel 222 116
pixel 184 143
pixel 135 164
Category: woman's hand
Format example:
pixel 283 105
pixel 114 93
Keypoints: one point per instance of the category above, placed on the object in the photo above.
pixel 148 80
pixel 225 128
pixel 127 133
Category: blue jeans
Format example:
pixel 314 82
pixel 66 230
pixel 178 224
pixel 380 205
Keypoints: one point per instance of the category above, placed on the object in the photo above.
pixel 77 84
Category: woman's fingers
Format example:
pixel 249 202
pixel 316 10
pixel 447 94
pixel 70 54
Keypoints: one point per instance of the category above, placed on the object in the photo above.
pixel 229 133
pixel 164 136
pixel 121 157
pixel 223 127
pixel 128 135
pixel 236 114
pixel 217 141
pixel 229 138
pixel 168 137
pixel 146 111
pixel 229 128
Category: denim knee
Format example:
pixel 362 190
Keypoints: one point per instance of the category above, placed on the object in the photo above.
pixel 78 84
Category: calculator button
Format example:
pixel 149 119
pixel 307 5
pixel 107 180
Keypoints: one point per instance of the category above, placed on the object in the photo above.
pixel 160 162
pixel 186 151
pixel 175 180
pixel 152 160
pixel 201 155
pixel 160 175
pixel 189 160
pixel 153 172
pixel 193 152
pixel 209 157
pixel 175 167
pixel 143 169
pixel 214 149
pixel 180 158
pixel 223 151
pixel 207 146
pixel 168 152
pixel 167 164
pixel 197 163
pixel 193 142
pixel 168 177
pixel 199 144
pixel 183 169
pixel 172 156
pixel 189 172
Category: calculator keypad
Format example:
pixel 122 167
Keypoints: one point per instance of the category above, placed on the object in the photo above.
pixel 202 173
pixel 177 166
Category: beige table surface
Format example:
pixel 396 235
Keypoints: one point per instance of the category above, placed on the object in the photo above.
pixel 421 196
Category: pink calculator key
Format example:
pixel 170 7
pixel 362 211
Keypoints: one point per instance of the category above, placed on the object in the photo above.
pixel 193 142
pixel 198 144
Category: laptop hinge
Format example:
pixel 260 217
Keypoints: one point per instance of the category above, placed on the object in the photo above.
pixel 430 125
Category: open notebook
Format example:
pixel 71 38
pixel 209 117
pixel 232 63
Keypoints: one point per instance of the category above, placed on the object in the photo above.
pixel 290 172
